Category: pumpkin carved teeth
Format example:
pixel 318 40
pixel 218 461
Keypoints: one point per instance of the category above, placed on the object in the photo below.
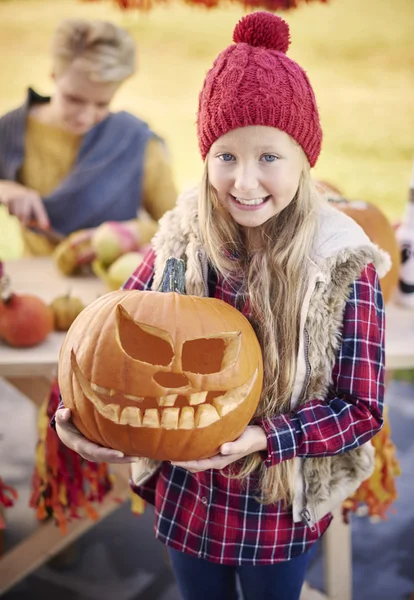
pixel 101 390
pixel 205 415
pixel 111 392
pixel 131 415
pixel 170 418
pixel 186 420
pixel 166 415
pixel 167 400
pixel 198 398
pixel 111 412
pixel 151 418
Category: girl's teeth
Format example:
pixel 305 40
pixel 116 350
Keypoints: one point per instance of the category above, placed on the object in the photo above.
pixel 253 202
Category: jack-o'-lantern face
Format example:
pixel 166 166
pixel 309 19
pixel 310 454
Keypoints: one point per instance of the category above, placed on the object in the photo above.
pixel 161 375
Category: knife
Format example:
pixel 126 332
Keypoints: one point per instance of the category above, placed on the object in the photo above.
pixel 51 234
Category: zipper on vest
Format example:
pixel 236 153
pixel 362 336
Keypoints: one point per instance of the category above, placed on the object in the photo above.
pixel 204 271
pixel 308 369
pixel 305 513
pixel 306 516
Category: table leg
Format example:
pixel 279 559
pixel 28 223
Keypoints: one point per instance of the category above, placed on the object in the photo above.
pixel 35 388
pixel 337 559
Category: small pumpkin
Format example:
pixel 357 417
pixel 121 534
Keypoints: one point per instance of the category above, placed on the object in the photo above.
pixel 377 227
pixel 65 310
pixel 161 374
pixel 25 320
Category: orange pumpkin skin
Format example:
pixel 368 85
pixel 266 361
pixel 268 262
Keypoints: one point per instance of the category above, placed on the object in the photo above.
pixel 25 320
pixel 380 232
pixel 137 350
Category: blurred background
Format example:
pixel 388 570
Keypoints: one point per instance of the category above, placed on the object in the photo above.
pixel 359 56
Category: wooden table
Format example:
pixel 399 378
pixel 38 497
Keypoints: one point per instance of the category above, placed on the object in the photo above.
pixel 31 371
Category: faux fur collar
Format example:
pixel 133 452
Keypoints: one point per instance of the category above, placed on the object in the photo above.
pixel 338 237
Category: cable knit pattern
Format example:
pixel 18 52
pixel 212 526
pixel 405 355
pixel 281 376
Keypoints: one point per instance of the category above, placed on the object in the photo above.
pixel 253 82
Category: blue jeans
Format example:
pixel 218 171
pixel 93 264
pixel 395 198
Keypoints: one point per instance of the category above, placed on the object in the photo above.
pixel 199 579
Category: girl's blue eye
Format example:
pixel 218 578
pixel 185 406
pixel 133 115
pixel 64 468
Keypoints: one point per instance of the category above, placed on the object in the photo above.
pixel 226 157
pixel 269 157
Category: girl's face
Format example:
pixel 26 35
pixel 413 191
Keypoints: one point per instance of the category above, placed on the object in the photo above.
pixel 79 103
pixel 255 171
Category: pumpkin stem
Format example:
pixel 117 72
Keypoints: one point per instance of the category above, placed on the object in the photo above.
pixel 173 277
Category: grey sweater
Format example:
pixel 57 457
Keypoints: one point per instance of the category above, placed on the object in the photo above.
pixel 105 183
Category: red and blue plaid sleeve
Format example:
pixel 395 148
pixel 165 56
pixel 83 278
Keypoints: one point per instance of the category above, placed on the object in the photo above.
pixel 352 412
pixel 141 278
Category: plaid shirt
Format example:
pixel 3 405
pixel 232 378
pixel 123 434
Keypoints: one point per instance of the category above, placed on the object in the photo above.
pixel 211 516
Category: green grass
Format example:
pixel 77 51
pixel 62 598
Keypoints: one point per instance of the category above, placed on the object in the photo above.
pixel 405 375
pixel 359 57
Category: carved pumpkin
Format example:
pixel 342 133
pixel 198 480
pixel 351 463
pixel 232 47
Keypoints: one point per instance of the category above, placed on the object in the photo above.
pixel 161 374
pixel 377 227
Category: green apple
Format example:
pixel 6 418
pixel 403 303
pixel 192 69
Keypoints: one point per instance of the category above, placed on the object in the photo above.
pixel 123 267
pixel 110 241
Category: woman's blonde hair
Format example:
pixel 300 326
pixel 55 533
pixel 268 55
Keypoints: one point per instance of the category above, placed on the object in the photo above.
pixel 274 280
pixel 99 48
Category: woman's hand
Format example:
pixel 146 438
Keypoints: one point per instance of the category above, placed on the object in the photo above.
pixel 73 439
pixel 80 243
pixel 23 203
pixel 253 439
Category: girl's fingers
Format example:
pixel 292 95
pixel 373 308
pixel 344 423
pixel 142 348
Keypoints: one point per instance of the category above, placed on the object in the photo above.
pixel 62 415
pixel 72 438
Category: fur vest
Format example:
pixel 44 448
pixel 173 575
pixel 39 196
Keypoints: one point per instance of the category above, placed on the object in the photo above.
pixel 340 252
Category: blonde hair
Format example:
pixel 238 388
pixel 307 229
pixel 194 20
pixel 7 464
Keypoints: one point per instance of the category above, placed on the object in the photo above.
pixel 274 280
pixel 99 48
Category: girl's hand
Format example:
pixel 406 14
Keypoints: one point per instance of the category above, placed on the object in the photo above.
pixel 253 439
pixel 73 439
pixel 23 203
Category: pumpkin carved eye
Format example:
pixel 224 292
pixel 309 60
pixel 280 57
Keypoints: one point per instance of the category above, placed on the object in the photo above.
pixel 211 354
pixel 145 343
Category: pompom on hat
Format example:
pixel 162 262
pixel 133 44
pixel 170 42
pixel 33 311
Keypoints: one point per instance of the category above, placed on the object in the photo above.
pixel 253 82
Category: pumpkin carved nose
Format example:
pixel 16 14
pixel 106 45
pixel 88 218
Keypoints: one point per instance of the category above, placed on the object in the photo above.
pixel 171 380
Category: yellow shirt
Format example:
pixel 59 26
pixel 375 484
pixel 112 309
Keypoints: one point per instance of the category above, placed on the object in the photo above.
pixel 50 153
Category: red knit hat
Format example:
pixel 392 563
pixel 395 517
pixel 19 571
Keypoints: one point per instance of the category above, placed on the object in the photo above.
pixel 253 82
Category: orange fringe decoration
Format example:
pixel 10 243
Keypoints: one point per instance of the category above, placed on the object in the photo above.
pixel 63 482
pixel 7 497
pixel 272 5
pixel 379 491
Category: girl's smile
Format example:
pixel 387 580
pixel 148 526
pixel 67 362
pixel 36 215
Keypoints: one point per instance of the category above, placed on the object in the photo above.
pixel 247 204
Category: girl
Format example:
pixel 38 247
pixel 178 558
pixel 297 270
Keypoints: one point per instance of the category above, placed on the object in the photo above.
pixel 68 163
pixel 257 236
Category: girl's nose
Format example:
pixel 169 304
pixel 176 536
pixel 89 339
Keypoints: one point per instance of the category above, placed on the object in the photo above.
pixel 246 180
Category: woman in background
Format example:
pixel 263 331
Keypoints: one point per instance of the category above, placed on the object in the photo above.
pixel 68 164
